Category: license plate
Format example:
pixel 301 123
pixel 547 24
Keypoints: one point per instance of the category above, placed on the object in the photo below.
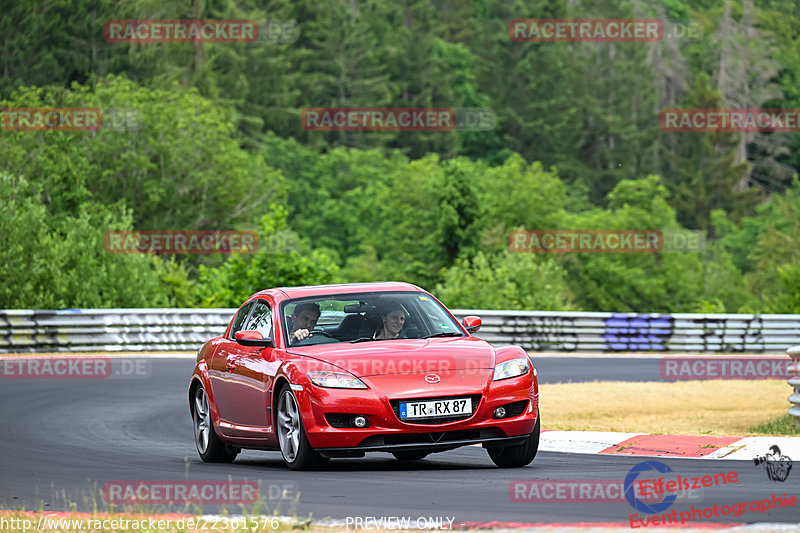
pixel 435 408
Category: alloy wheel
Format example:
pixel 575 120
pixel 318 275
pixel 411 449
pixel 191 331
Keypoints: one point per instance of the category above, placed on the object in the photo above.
pixel 202 420
pixel 289 426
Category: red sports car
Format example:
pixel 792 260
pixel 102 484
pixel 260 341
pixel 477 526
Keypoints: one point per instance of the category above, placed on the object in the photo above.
pixel 340 370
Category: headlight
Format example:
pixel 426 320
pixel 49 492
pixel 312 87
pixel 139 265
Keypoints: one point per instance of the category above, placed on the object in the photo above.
pixel 511 369
pixel 336 380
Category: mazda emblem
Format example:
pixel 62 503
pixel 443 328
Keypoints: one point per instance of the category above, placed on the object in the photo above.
pixel 432 378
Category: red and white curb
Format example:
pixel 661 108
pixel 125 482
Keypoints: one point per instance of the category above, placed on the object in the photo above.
pixel 677 446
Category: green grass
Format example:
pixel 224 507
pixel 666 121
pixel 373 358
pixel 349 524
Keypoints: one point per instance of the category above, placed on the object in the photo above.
pixel 715 408
pixel 782 425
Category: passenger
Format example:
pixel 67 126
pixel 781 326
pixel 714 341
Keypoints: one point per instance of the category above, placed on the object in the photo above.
pixel 303 320
pixel 393 317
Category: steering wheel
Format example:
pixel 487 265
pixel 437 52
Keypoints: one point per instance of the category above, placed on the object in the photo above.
pixel 311 336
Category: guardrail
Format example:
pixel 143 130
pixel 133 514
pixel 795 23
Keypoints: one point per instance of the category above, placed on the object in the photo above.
pixel 76 330
pixel 109 330
pixel 794 381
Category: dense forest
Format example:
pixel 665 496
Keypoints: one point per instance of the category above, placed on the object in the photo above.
pixel 208 136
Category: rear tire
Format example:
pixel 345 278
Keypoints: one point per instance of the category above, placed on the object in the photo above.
pixel 209 446
pixel 296 450
pixel 520 454
pixel 410 455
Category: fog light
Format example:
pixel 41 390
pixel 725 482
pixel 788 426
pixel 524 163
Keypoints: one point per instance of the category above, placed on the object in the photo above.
pixel 500 412
pixel 360 422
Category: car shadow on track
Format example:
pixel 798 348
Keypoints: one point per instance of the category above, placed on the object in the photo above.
pixel 377 463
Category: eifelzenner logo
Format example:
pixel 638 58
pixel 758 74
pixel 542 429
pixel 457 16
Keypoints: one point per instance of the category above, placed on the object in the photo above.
pixel 593 241
pixel 180 31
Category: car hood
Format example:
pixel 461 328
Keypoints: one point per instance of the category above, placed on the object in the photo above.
pixel 403 355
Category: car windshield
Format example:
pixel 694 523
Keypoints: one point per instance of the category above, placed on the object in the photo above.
pixel 365 317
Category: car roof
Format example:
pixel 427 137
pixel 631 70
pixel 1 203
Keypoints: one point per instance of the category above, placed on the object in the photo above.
pixel 339 288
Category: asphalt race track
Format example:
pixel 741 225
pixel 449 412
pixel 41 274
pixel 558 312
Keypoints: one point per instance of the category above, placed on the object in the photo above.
pixel 63 439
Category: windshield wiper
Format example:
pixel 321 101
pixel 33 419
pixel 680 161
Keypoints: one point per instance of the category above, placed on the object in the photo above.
pixel 443 334
pixel 362 339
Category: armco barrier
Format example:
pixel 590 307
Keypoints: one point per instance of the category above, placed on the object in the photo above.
pixel 78 330
pixel 186 329
pixel 794 381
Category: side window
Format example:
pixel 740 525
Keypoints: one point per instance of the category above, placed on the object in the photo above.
pixel 238 322
pixel 261 319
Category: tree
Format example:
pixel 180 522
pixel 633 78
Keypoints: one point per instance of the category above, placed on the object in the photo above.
pixel 745 76
pixel 458 211
pixel 59 262
pixel 244 274
pixel 633 282
pixel 505 281
pixel 178 160
pixel 708 171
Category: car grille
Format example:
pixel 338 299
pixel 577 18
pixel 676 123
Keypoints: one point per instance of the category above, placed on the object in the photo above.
pixel 437 437
pixel 476 398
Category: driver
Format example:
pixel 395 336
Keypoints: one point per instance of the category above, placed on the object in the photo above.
pixel 303 320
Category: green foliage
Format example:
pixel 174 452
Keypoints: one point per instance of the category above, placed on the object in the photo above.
pixel 519 194
pixel 658 282
pixel 244 274
pixel 708 307
pixel 788 297
pixel 175 157
pixel 709 175
pixel 60 262
pixel 766 248
pixel 458 213
pixel 505 281
pixel 207 136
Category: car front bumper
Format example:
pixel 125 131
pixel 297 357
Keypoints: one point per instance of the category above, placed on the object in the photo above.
pixel 386 432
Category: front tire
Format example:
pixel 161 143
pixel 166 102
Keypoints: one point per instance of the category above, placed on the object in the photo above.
pixel 210 448
pixel 518 455
pixel 295 448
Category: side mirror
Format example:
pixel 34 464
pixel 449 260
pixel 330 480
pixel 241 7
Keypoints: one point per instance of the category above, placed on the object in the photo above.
pixel 251 337
pixel 472 323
